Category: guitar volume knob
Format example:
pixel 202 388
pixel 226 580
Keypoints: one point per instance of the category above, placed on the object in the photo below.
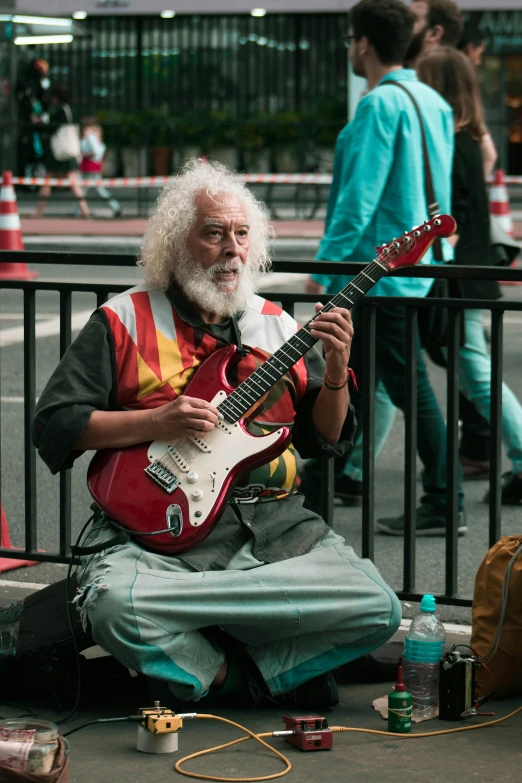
pixel 192 477
pixel 196 494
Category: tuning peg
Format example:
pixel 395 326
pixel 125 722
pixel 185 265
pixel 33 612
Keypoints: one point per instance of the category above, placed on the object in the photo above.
pixel 427 227
pixel 385 251
pixel 416 234
pixel 437 222
pixel 396 244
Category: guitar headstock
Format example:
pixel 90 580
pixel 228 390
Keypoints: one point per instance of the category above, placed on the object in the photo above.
pixel 409 248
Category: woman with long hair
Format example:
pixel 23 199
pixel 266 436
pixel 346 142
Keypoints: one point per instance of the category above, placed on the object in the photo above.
pixel 60 115
pixel 450 73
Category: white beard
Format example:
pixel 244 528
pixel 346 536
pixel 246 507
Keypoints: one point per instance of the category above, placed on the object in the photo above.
pixel 199 285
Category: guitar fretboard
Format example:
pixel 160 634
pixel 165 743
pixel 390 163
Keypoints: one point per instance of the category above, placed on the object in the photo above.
pixel 250 391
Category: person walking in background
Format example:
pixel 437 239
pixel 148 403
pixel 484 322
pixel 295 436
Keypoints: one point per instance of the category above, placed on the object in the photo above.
pixel 440 23
pixel 451 73
pixel 472 43
pixel 93 150
pixel 437 23
pixel 67 165
pixel 378 191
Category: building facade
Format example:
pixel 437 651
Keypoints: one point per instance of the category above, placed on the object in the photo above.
pixel 274 88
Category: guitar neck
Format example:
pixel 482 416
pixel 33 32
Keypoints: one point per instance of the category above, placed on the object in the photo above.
pixel 250 391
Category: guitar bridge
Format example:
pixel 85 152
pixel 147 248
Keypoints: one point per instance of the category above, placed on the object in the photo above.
pixel 162 476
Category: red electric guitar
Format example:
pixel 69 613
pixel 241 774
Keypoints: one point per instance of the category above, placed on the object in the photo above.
pixel 173 493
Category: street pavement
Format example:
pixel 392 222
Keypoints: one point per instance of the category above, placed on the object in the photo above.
pixel 389 469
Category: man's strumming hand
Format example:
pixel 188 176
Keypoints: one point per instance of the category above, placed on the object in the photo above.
pixel 184 417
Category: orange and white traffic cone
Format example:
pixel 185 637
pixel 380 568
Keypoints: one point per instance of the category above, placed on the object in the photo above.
pixel 500 211
pixel 499 202
pixel 8 563
pixel 11 232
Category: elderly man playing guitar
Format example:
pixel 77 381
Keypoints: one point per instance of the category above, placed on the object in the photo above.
pixel 225 577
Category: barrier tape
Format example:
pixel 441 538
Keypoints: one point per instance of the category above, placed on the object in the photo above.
pixel 146 182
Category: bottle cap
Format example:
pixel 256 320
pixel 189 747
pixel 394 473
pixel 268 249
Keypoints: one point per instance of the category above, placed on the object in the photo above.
pixel 428 603
pixel 400 687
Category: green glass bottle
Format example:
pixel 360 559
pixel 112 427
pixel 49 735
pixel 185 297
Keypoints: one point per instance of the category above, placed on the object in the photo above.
pixel 399 706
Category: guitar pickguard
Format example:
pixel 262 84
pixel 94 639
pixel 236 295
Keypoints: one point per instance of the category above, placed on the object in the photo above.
pixel 203 468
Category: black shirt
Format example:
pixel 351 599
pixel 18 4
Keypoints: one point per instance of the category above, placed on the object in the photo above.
pixel 470 208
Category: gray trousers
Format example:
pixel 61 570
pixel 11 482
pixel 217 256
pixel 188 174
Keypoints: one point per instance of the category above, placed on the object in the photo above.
pixel 297 618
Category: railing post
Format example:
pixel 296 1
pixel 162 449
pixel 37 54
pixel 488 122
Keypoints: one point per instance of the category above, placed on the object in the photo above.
pixel 65 475
pixel 410 449
pixel 368 409
pixel 452 458
pixel 327 490
pixel 29 405
pixel 495 484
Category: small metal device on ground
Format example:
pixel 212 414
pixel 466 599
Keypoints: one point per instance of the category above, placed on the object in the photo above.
pixel 309 732
pixel 457 686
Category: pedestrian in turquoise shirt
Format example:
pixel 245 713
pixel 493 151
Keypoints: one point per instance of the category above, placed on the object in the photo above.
pixel 378 193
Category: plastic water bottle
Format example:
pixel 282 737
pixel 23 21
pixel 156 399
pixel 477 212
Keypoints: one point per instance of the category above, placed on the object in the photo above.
pixel 423 649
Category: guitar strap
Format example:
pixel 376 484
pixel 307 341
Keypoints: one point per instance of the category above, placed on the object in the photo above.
pixel 244 351
pixel 433 204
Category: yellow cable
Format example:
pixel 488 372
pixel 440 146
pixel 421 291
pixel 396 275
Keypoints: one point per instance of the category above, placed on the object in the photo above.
pixel 429 733
pixel 251 735
pixel 335 729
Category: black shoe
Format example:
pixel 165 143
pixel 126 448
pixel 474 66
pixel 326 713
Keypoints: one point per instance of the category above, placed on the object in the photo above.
pixel 348 491
pixel 511 490
pixel 430 522
pixel 319 693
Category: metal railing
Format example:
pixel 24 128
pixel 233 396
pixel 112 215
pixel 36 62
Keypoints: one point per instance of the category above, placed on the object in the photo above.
pixel 288 301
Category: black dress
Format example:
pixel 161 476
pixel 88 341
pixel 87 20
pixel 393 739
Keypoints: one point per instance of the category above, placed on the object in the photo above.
pixel 470 208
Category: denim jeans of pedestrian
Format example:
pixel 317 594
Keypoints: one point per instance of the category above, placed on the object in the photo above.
pixel 475 384
pixel 390 369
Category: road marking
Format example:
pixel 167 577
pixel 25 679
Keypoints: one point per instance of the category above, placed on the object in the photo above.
pixel 46 329
pixel 20 316
pixel 280 278
pixel 26 585
pixel 12 399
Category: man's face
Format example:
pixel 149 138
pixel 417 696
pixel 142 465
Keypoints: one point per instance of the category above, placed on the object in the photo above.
pixel 475 53
pixel 213 270
pixel 356 58
pixel 218 240
pixel 420 10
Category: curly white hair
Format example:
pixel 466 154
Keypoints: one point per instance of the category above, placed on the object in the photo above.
pixel 166 236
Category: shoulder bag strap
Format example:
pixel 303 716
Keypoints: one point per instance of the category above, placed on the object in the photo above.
pixel 433 204
pixel 68 113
